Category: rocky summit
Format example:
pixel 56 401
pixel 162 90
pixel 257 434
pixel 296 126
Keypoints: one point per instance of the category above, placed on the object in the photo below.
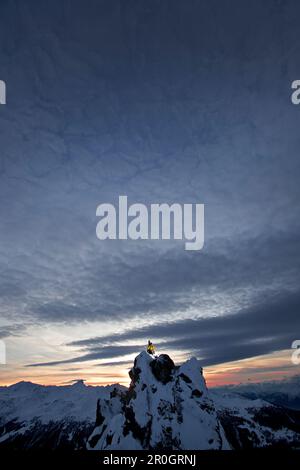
pixel 170 407
pixel 166 407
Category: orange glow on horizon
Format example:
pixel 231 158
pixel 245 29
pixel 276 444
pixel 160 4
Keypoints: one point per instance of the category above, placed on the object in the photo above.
pixel 275 366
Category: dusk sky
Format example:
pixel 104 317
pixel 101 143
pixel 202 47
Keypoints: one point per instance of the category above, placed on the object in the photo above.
pixel 166 102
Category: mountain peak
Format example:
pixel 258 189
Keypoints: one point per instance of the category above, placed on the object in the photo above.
pixel 150 368
pixel 80 383
pixel 24 386
pixel 166 406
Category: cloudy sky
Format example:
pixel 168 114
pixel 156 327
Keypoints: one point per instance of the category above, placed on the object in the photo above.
pixel 162 101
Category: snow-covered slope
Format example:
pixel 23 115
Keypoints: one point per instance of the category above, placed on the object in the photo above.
pixel 37 416
pixel 254 423
pixel 169 407
pixel 166 407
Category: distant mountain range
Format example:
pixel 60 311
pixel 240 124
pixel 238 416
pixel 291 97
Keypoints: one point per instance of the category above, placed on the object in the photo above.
pixel 284 393
pixel 165 407
pixel 48 417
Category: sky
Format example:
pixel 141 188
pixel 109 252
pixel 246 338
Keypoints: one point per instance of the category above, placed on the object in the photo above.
pixel 165 102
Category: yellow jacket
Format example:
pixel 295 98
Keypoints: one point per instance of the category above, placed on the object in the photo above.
pixel 151 348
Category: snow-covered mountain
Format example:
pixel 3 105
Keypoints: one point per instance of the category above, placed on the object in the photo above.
pixel 165 407
pixel 170 407
pixel 256 423
pixel 36 416
pixel 284 392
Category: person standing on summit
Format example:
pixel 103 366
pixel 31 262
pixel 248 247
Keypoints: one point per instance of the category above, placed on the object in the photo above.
pixel 150 348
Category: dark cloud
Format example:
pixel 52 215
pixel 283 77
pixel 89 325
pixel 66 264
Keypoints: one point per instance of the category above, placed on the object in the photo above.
pixel 140 111
pixel 145 283
pixel 103 353
pixel 164 102
pixel 11 330
pixel 268 326
pixel 11 290
pixel 115 363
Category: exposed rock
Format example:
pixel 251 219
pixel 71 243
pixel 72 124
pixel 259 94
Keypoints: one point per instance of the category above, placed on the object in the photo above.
pixel 167 407
pixel 163 368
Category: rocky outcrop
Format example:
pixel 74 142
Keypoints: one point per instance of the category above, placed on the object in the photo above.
pixel 170 407
pixel 166 407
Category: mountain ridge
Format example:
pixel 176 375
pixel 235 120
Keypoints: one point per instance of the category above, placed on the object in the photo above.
pixel 170 407
pixel 166 406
